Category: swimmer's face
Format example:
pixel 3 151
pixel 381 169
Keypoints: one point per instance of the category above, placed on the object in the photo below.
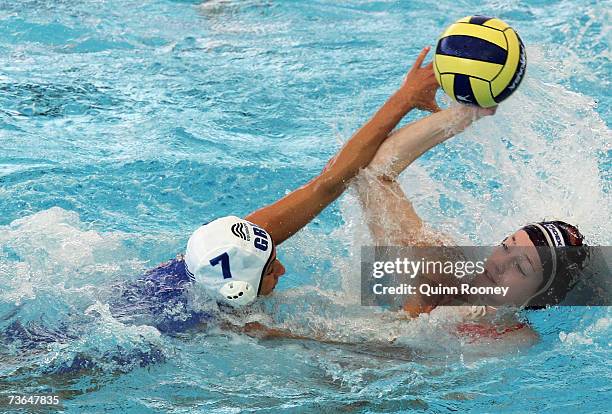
pixel 515 264
pixel 270 278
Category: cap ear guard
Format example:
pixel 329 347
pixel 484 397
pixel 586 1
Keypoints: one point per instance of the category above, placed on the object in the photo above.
pixel 238 293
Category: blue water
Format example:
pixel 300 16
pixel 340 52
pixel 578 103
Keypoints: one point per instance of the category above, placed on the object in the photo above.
pixel 124 125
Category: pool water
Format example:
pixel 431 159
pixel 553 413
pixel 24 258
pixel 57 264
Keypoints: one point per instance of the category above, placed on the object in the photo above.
pixel 125 125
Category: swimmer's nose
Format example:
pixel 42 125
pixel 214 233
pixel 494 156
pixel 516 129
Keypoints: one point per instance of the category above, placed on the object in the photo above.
pixel 281 269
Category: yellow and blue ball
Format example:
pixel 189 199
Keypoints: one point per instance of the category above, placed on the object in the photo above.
pixel 480 60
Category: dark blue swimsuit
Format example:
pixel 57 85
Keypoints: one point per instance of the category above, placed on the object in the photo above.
pixel 157 298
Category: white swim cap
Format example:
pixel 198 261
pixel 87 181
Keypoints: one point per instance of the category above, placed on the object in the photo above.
pixel 229 256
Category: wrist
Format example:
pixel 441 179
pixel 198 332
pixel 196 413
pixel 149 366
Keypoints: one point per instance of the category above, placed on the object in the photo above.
pixel 460 113
pixel 405 98
pixel 460 117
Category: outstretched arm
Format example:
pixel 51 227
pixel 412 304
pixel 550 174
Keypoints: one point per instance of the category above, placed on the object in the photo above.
pixel 286 216
pixel 389 213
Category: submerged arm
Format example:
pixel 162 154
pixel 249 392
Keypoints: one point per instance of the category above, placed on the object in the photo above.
pixel 286 216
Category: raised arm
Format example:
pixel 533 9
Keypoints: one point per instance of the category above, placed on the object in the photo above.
pixel 286 216
pixel 389 213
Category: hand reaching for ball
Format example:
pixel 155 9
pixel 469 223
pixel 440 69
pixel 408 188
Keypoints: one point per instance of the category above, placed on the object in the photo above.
pixel 420 84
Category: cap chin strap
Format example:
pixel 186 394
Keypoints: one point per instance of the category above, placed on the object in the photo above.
pixel 553 253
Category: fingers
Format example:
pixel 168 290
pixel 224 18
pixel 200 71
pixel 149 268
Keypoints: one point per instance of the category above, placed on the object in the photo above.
pixel 479 112
pixel 487 111
pixel 490 111
pixel 421 57
pixel 431 76
pixel 431 106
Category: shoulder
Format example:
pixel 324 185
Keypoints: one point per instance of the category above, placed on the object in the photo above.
pixel 170 275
